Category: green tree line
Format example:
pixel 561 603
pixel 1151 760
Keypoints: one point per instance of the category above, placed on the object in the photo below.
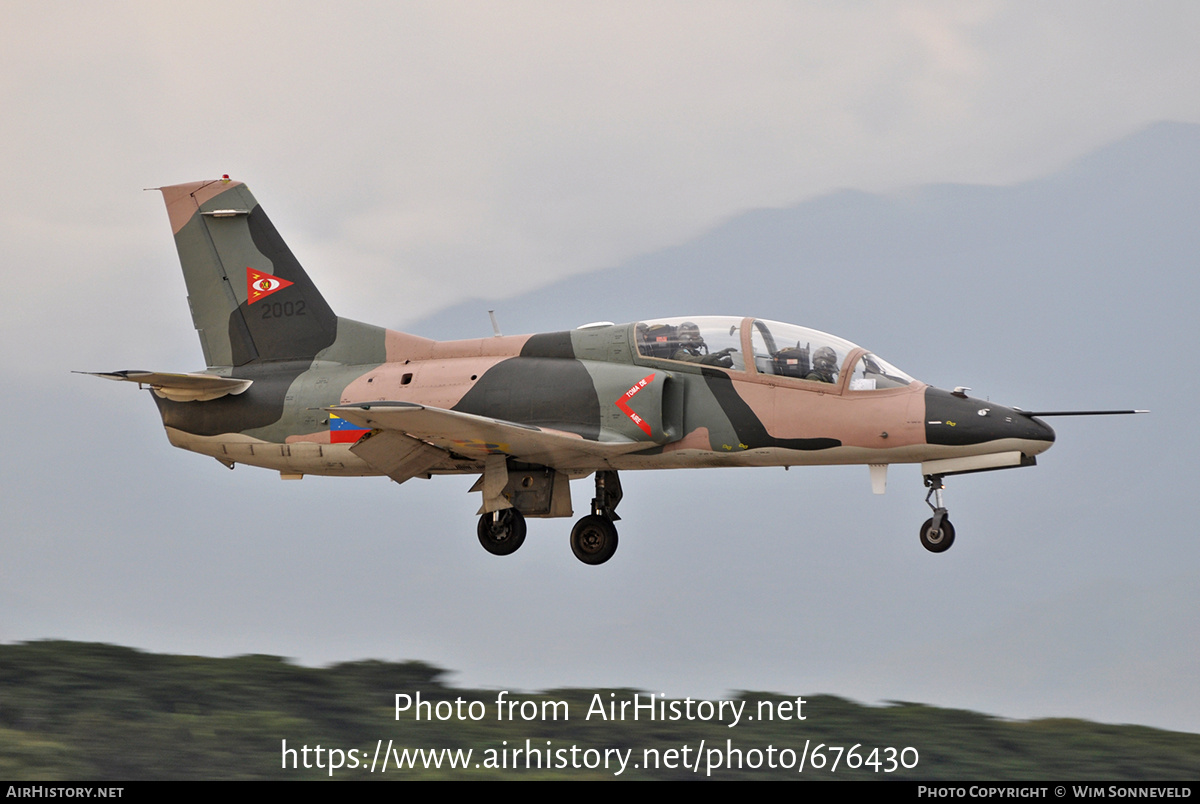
pixel 72 710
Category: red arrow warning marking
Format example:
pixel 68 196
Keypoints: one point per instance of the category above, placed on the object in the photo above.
pixel 623 403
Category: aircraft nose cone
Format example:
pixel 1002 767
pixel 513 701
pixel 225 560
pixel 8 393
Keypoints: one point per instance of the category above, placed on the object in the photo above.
pixel 1045 430
pixel 960 421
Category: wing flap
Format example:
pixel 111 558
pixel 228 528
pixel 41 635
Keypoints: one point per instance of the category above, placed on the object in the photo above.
pixel 479 436
pixel 398 456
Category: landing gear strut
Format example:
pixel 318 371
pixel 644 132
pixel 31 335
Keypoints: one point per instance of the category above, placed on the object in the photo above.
pixel 594 537
pixel 937 534
pixel 502 532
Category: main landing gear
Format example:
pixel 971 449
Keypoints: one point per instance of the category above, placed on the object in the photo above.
pixel 593 539
pixel 502 532
pixel 937 534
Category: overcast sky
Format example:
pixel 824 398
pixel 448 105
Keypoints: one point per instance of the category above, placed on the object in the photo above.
pixel 436 147
pixel 416 155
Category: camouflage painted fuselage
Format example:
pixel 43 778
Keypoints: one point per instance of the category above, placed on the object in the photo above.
pixel 573 402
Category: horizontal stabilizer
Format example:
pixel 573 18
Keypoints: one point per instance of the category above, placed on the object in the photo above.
pixel 178 387
pixel 479 436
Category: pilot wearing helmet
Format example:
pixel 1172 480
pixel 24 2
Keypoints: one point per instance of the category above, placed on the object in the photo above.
pixel 824 366
pixel 693 349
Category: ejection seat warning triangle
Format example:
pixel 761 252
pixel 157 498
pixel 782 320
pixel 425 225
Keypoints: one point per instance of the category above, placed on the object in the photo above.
pixel 260 285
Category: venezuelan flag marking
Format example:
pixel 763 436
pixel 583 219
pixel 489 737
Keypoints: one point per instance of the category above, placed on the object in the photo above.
pixel 343 432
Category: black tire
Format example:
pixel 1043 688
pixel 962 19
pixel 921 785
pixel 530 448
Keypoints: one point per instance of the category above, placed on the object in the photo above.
pixel 937 541
pixel 594 539
pixel 504 535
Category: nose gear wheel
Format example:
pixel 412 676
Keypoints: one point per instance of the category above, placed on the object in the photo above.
pixel 937 540
pixel 937 534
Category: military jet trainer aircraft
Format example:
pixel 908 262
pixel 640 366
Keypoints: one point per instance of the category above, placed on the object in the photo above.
pixel 291 386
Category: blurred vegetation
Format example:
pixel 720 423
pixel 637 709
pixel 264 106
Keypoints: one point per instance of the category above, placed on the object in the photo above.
pixel 73 710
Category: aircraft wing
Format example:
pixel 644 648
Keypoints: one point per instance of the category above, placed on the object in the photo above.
pixel 479 436
pixel 178 387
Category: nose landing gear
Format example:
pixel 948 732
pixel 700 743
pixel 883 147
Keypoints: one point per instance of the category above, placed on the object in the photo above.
pixel 937 534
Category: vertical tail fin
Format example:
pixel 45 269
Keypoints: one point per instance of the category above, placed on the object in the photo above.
pixel 250 299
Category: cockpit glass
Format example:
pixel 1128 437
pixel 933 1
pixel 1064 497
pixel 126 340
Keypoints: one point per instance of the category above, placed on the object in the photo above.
pixel 871 373
pixel 708 340
pixel 792 351
pixel 776 348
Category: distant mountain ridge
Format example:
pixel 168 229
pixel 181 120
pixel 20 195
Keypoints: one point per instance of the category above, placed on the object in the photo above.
pixel 940 247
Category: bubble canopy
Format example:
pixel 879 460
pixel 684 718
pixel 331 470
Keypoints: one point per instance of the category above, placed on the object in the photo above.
pixel 757 346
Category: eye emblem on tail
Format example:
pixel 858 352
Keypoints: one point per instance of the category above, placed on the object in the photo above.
pixel 260 285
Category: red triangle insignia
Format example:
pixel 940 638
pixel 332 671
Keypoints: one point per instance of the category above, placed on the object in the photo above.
pixel 260 285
